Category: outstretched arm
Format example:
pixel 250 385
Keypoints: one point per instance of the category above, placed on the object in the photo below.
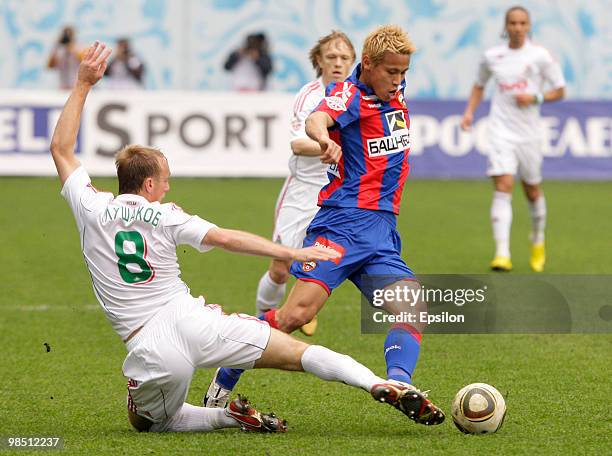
pixel 91 69
pixel 306 147
pixel 251 244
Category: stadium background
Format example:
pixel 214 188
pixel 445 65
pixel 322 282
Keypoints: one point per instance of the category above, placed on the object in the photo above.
pixel 185 43
pixel 557 385
pixel 207 131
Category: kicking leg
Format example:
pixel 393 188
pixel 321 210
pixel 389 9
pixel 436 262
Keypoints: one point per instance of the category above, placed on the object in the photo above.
pixel 403 343
pixel 402 348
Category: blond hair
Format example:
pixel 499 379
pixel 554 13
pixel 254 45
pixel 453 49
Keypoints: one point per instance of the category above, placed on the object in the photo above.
pixel 387 38
pixel 134 164
pixel 316 50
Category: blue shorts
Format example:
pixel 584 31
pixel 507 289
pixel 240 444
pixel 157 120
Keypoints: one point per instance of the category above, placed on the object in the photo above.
pixel 366 239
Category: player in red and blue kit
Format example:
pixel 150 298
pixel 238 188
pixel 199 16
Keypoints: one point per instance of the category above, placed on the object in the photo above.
pixel 362 126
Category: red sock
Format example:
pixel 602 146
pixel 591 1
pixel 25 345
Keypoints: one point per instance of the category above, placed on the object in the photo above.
pixel 270 317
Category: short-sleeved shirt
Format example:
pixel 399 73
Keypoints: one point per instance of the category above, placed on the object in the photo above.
pixel 304 168
pixel 129 246
pixel 375 141
pixel 529 69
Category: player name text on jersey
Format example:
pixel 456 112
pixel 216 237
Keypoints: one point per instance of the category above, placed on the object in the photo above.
pixel 128 214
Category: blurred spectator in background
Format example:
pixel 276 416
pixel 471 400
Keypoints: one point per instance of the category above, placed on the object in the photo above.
pixel 65 58
pixel 126 70
pixel 251 64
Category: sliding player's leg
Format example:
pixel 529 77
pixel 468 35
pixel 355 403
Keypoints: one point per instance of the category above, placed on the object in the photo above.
pixel 304 302
pixel 287 353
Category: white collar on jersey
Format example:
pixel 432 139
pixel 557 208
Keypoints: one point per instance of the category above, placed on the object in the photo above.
pixel 124 197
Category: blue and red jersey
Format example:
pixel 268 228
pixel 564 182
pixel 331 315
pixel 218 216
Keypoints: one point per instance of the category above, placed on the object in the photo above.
pixel 375 141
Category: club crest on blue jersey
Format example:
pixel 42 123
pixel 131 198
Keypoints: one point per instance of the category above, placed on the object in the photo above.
pixel 308 266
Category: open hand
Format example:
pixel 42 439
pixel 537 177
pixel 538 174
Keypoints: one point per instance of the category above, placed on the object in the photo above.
pixel 315 253
pixel 93 65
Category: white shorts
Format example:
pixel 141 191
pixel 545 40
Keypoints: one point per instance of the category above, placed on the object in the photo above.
pixel 295 208
pixel 184 335
pixel 509 157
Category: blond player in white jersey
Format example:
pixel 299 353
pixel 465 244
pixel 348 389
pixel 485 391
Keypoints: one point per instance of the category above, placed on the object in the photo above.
pixel 129 245
pixel 332 58
pixel 525 76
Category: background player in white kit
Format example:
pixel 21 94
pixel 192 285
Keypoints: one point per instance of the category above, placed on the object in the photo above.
pixel 332 58
pixel 521 71
pixel 129 246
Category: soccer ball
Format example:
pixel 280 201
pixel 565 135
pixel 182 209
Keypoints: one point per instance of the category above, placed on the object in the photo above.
pixel 478 408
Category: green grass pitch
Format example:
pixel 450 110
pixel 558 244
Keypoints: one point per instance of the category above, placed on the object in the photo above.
pixel 558 386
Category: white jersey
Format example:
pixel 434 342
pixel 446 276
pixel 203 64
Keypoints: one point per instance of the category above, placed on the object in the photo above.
pixel 303 168
pixel 129 246
pixel 529 69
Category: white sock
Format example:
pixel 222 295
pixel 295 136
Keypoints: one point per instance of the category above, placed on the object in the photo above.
pixel 195 419
pixel 329 365
pixel 269 294
pixel 537 209
pixel 501 221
